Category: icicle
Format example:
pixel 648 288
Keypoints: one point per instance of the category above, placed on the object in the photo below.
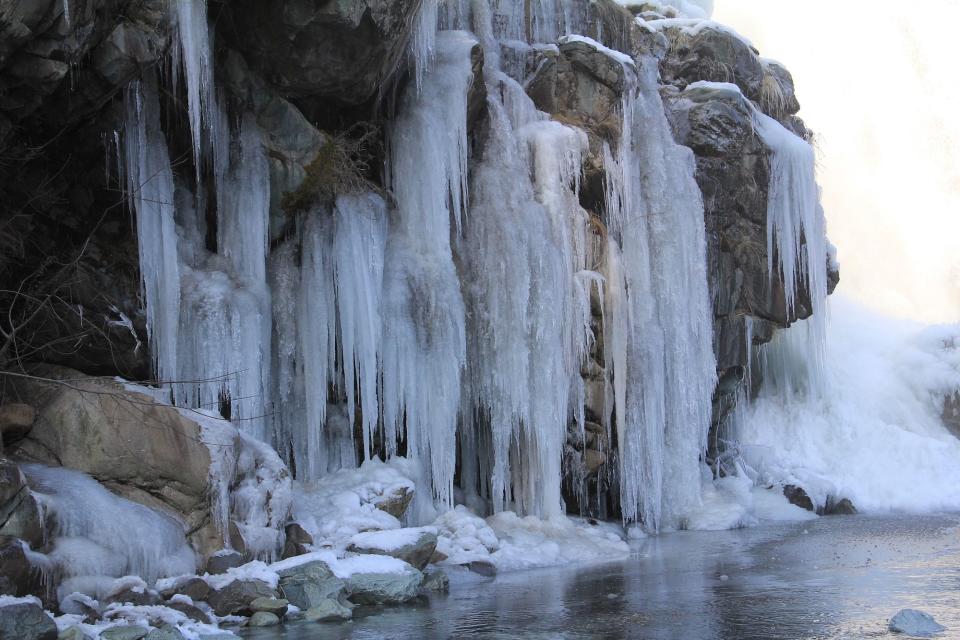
pixel 149 183
pixel 359 245
pixel 194 51
pixel 654 205
pixel 424 39
pixel 796 234
pixel 317 329
pixel 423 313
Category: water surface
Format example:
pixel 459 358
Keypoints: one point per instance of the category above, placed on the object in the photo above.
pixel 839 577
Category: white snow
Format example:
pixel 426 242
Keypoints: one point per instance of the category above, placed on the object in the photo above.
pixel 256 570
pixel 874 434
pixel 512 542
pixel 390 540
pixel 619 56
pixel 342 504
pixel 6 600
pixel 372 563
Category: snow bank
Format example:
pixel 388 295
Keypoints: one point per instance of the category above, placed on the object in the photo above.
pixel 391 540
pixel 342 504
pixel 511 542
pixel 875 435
pixel 734 502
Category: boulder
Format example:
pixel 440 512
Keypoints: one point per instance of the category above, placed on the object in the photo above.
pixel 222 560
pixel 129 632
pixel 436 581
pixel 412 545
pixel 276 606
pixel 19 512
pixel 16 420
pixel 396 502
pixel 263 619
pixel 235 597
pixel 26 621
pixel 712 54
pixel 915 623
pixel 194 588
pixel 73 633
pixel 18 576
pixel 797 496
pixel 297 541
pixel 134 596
pixel 149 452
pixel 307 585
pixel 345 51
pixel 841 507
pixel 166 632
pixel 329 610
pixel 193 612
pixel 384 588
pixel 482 567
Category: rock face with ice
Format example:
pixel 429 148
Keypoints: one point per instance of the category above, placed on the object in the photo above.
pixel 426 254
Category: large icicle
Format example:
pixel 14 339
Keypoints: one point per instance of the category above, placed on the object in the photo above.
pixel 655 206
pixel 193 51
pixel 150 187
pixel 359 246
pixel 797 246
pixel 224 354
pixel 423 312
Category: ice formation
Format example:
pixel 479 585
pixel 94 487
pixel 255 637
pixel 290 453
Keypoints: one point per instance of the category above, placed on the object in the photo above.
pixel 98 535
pixel 660 312
pixel 875 433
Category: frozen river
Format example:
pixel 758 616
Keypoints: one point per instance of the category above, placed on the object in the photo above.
pixel 839 577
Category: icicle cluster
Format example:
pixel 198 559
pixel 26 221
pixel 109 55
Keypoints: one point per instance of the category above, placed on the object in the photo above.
pixel 659 313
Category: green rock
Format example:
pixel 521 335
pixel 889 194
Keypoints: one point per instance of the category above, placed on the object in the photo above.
pixel 329 610
pixel 264 619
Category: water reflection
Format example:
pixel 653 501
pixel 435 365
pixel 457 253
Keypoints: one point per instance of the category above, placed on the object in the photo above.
pixel 837 577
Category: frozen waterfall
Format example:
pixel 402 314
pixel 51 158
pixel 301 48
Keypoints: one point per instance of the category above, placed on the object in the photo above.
pixel 661 317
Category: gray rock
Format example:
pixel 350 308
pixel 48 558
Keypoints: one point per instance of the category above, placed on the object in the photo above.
pixel 144 597
pixel 384 588
pixel 17 576
pixel 73 633
pixel 191 611
pixel 307 585
pixel 16 420
pixel 395 503
pixel 915 623
pixel 124 633
pixel 194 588
pixel 483 568
pixel 276 606
pixel 329 610
pixel 715 55
pixel 26 621
pixel 167 632
pixel 344 51
pixel 165 467
pixel 418 553
pixel 841 507
pixel 436 580
pixel 19 511
pixel 235 598
pixel 264 619
pixel 220 561
pixel 797 496
pixel 296 541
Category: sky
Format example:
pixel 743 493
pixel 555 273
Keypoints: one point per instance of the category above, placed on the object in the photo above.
pixel 879 84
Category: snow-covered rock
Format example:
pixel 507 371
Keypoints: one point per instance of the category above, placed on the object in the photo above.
pixel 414 545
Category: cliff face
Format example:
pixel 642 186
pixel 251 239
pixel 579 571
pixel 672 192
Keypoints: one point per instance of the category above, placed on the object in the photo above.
pixel 322 81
